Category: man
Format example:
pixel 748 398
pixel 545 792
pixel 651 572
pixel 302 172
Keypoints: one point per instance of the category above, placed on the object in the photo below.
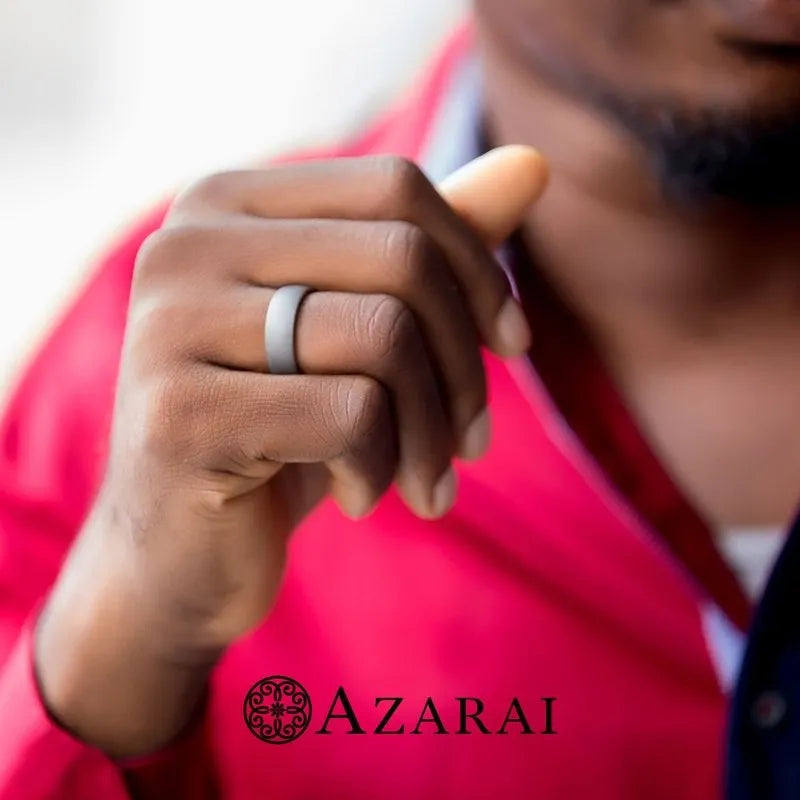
pixel 303 564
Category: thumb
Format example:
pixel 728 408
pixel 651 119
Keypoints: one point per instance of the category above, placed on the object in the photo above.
pixel 493 192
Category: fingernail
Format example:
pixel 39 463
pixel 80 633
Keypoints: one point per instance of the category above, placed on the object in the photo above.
pixel 512 328
pixel 356 509
pixel 444 493
pixel 355 505
pixel 476 438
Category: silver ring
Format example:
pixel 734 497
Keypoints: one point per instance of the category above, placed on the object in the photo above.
pixel 279 325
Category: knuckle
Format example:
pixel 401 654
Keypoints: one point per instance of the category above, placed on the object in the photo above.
pixel 164 416
pixel 405 185
pixel 159 330
pixel 412 254
pixel 362 413
pixel 213 189
pixel 166 248
pixel 150 250
pixel 149 322
pixel 390 329
pixel 176 415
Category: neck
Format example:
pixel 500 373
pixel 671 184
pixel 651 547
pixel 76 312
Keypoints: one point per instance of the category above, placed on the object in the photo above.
pixel 642 271
pixel 695 312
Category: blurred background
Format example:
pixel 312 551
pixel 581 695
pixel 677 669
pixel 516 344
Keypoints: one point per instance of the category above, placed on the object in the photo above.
pixel 108 105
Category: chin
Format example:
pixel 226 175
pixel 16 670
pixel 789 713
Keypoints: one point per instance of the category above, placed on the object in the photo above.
pixel 744 156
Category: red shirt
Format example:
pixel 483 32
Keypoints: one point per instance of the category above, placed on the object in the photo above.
pixel 571 585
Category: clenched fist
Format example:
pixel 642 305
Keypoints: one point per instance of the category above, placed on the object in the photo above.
pixel 213 462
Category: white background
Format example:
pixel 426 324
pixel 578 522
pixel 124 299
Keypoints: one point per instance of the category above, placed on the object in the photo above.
pixel 107 105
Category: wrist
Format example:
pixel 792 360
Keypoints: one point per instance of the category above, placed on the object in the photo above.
pixel 105 686
pixel 104 672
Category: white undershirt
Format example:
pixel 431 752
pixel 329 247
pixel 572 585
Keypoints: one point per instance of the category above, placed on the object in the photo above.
pixel 751 552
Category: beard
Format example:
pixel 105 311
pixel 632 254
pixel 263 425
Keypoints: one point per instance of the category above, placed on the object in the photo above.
pixel 751 159
pixel 747 156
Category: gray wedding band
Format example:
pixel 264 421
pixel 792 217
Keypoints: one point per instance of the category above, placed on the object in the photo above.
pixel 279 326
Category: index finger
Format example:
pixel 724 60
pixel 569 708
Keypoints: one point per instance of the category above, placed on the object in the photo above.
pixel 477 208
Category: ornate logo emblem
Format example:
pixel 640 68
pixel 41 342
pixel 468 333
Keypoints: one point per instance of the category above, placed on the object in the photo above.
pixel 277 709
